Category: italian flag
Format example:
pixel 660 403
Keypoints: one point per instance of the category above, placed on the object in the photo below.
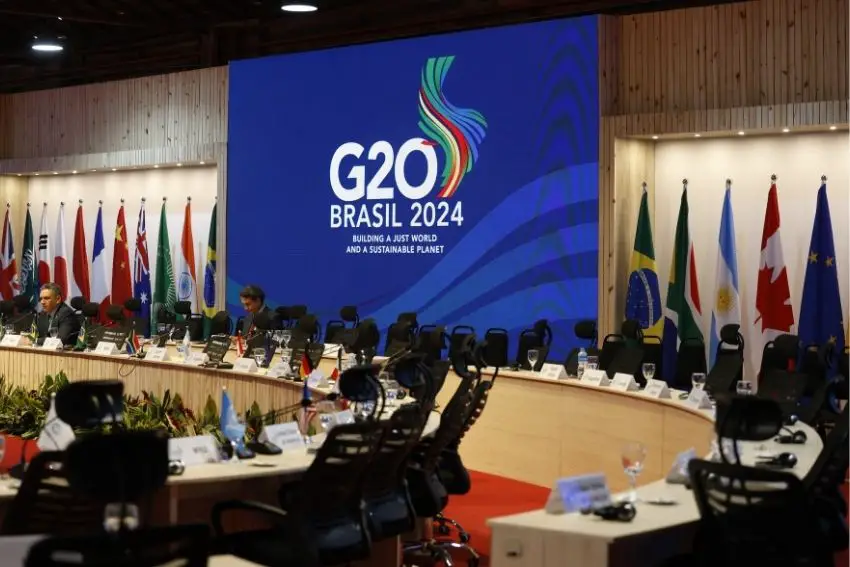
pixel 682 311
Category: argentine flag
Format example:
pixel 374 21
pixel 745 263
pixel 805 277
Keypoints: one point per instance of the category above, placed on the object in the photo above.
pixel 726 308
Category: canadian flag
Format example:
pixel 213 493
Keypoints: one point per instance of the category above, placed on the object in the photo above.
pixel 60 258
pixel 774 315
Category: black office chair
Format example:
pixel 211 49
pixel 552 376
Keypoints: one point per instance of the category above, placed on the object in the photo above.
pixel 336 329
pixel 531 339
pixel 690 359
pixel 496 353
pixel 729 364
pixel 432 341
pixel 308 326
pixel 400 336
pixel 625 352
pixel 780 354
pixel 365 341
pixel 456 338
pixel 221 324
pixel 76 303
pixel 409 317
pixel 586 331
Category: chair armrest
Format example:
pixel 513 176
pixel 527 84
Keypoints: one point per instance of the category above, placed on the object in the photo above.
pixel 248 505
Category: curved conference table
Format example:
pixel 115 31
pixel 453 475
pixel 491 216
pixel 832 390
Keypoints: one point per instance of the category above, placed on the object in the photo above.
pixel 533 429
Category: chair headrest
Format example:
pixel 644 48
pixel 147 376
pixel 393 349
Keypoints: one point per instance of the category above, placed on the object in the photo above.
pixel 408 317
pixel 630 329
pixel 263 320
pixel 787 345
pixel 22 302
pixel 731 334
pixel 366 336
pixel 89 404
pixel 349 313
pixel 221 317
pixel 77 302
pixel 7 307
pixel 297 311
pixel 308 324
pixel 585 330
pixel 133 304
pixel 90 309
pixel 115 313
pixel 360 383
pixel 183 308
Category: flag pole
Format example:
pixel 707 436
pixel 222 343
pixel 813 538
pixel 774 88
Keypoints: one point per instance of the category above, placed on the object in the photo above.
pixel 685 184
pixel 823 178
pixel 728 183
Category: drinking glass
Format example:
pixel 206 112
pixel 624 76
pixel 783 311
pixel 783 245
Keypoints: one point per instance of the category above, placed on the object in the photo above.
pixel 286 336
pixel 277 337
pixel 648 370
pixel 744 388
pixel 698 380
pixel 532 354
pixel 259 355
pixel 9 329
pixel 117 513
pixel 592 362
pixel 633 457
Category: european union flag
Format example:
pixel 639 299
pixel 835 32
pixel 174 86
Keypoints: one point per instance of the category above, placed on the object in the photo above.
pixel 821 316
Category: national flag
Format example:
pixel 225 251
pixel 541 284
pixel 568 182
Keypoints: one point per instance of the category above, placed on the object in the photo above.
pixel 9 283
pixel 821 315
pixel 60 257
pixel 56 434
pixel 727 301
pixel 80 283
pixel 643 299
pixel 99 286
pixel 44 256
pixel 29 271
pixel 133 344
pixel 187 281
pixel 240 345
pixel 141 268
pixel 122 288
pixel 80 345
pixel 233 430
pixel 210 274
pixel 164 293
pixel 774 314
pixel 683 309
pixel 306 367
pixel 335 375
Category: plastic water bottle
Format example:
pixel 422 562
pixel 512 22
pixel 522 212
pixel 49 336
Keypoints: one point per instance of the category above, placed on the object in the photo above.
pixel 582 362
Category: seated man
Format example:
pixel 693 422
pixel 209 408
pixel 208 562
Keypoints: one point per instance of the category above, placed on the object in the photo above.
pixel 56 318
pixel 253 299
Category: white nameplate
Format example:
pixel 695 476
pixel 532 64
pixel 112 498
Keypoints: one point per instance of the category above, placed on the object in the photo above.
pixel 343 417
pixel 196 358
pixel 243 364
pixel 657 389
pixel 595 378
pixel 106 349
pixel 553 371
pixel 698 399
pixel 585 492
pixel 624 382
pixel 317 379
pixel 331 350
pixel 192 451
pixel 279 370
pixel 11 340
pixel 157 354
pixel 52 344
pixel 287 436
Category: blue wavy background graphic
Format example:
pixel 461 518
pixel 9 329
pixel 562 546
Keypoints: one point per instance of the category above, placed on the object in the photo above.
pixel 528 246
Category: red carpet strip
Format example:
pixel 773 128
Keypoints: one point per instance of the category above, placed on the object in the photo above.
pixel 492 496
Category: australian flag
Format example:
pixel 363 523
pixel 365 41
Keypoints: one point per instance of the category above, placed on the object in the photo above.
pixel 142 271
pixel 820 311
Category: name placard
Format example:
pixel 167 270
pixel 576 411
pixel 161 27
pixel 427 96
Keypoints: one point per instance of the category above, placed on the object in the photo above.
pixel 578 493
pixel 193 451
pixel 51 343
pixel 595 377
pixel 317 379
pixel 287 436
pixel 624 382
pixel 331 350
pixel 343 417
pixel 106 348
pixel 245 365
pixel 157 354
pixel 553 371
pixel 195 358
pixel 698 399
pixel 279 370
pixel 11 340
pixel 657 389
pixel 678 473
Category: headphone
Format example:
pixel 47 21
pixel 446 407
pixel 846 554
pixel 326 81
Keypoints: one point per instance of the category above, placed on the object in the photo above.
pixel 780 461
pixel 798 437
pixel 620 512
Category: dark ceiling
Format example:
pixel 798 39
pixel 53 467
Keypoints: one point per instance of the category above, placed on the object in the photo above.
pixel 117 39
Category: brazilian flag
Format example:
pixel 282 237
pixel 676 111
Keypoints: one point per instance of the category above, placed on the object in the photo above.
pixel 643 300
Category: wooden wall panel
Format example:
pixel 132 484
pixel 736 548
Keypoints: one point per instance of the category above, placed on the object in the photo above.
pixel 757 66
pixel 14 192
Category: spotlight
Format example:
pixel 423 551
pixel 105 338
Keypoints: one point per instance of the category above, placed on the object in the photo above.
pixel 47 44
pixel 301 8
pixel 786 130
pixel 74 172
pixel 697 135
pixel 179 165
pixel 740 132
pixel 114 169
pixel 203 162
pixel 655 137
pixel 155 166
pixel 833 127
pixel 55 173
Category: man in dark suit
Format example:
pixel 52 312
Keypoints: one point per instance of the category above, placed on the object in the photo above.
pixel 253 299
pixel 56 316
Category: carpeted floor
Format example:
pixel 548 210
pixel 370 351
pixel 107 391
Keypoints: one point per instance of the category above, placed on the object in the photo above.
pixel 493 496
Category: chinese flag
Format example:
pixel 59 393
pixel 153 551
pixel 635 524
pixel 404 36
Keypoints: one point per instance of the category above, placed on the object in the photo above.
pixel 122 287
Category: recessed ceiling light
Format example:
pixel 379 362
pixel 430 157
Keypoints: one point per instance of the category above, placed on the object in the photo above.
pixel 785 130
pixel 94 171
pixel 55 173
pixel 203 162
pixel 833 127
pixel 114 169
pixel 697 135
pixel 655 137
pixel 74 172
pixel 35 174
pixel 299 8
pixel 46 45
pixel 740 132
pixel 20 174
pixel 155 166
pixel 179 165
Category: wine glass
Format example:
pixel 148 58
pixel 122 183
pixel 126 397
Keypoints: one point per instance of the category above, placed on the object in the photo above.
pixel 633 457
pixel 533 355
pixel 277 337
pixel 286 336
pixel 592 363
pixel 259 355
pixel 9 329
pixel 698 380
pixel 648 370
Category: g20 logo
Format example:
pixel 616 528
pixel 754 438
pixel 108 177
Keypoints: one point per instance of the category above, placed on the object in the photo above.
pixel 351 184
pixel 456 131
